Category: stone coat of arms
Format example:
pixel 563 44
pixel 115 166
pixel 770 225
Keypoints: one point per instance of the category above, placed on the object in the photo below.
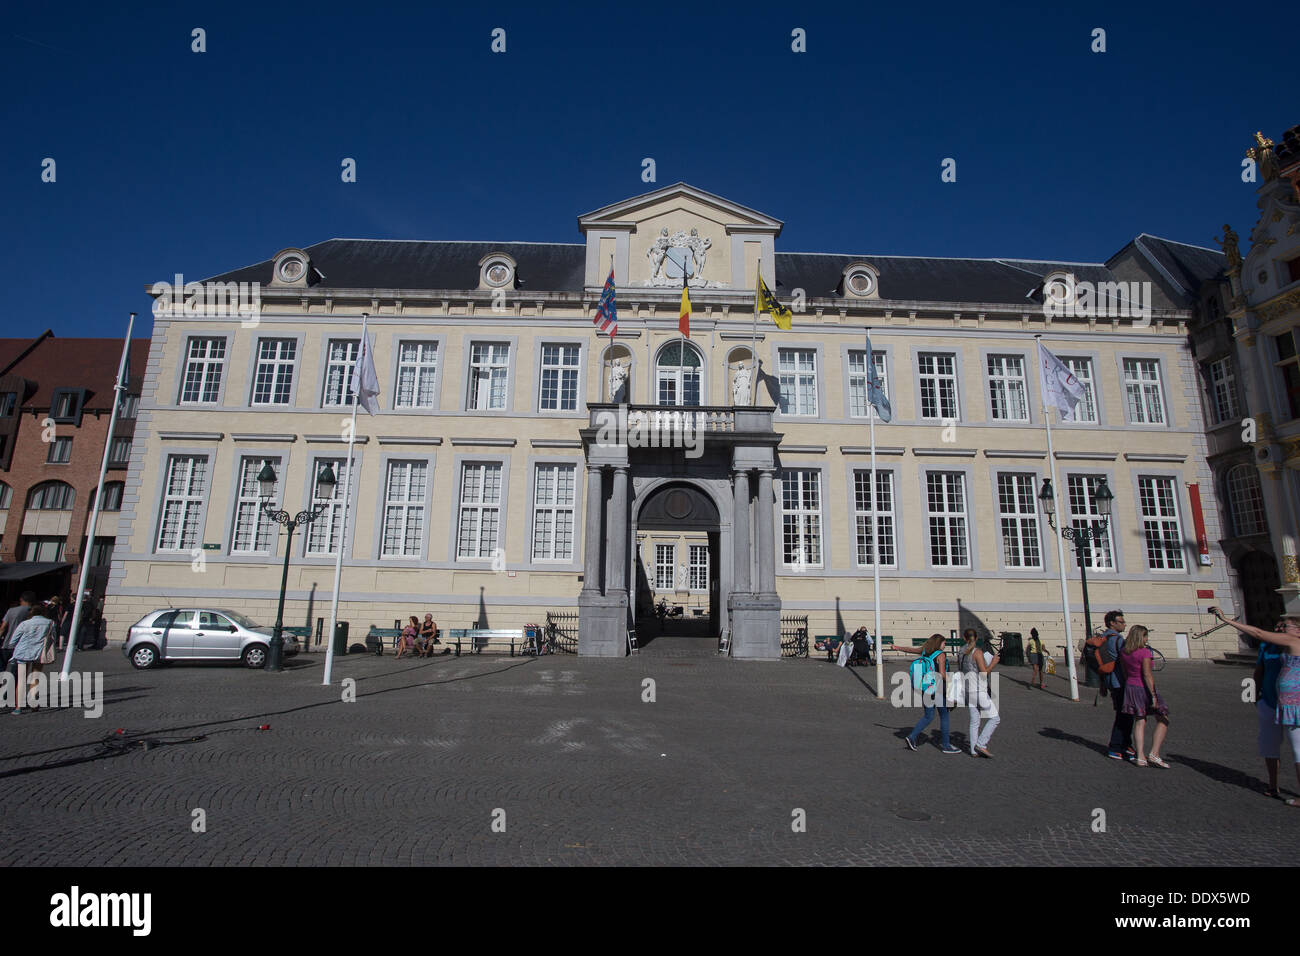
pixel 672 256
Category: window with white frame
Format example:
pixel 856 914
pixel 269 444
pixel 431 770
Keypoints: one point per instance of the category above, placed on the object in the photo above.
pixel 877 515
pixel 1246 499
pixel 1223 389
pixel 1288 365
pixel 1157 499
pixel 554 500
pixel 489 369
pixel 1143 394
pixel 185 487
pixel 938 374
pixel 859 405
pixel 946 510
pixel 60 452
pixel 403 534
pixel 1086 411
pixel 559 381
pixel 204 362
pixel 1008 396
pixel 254 532
pixel 677 374
pixel 480 510
pixel 417 375
pixel 341 359
pixel 665 567
pixel 273 379
pixel 1018 517
pixel 324 533
pixel 699 567
pixel 801 518
pixel 1083 513
pixel 797 369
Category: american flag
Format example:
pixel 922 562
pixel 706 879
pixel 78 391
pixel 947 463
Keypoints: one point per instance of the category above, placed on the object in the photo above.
pixel 606 318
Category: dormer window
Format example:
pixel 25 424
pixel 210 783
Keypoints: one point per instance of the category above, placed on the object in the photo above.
pixel 1060 289
pixel 66 405
pixel 291 267
pixel 497 271
pixel 860 280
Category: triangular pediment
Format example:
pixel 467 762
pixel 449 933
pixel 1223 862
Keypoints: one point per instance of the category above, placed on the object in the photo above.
pixel 683 198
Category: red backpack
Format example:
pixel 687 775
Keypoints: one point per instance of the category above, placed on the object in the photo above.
pixel 1095 652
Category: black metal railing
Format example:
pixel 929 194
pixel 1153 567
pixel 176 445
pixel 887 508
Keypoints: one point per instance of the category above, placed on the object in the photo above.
pixel 562 631
pixel 794 635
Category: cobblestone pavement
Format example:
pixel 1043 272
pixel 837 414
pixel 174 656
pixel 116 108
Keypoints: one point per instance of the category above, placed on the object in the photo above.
pixel 584 771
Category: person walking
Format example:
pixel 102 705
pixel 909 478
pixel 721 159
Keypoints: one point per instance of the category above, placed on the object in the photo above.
pixel 1288 678
pixel 976 664
pixel 1034 651
pixel 1141 699
pixel 13 617
pixel 34 641
pixel 1267 668
pixel 1121 731
pixel 932 650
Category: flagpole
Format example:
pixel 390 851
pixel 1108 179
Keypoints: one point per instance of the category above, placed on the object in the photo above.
pixel 343 528
pixel 753 339
pixel 1060 546
pixel 119 390
pixel 875 528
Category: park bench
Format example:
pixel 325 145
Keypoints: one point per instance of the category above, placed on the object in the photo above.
pixel 303 633
pixel 475 640
pixel 377 637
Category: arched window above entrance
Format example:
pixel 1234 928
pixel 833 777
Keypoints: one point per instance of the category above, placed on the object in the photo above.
pixel 679 374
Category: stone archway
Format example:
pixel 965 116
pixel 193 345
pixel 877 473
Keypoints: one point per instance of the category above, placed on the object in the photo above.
pixel 680 509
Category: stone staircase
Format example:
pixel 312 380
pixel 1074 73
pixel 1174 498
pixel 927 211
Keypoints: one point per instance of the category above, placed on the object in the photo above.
pixel 1242 660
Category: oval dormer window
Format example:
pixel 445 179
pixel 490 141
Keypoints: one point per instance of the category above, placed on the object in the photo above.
pixel 291 269
pixel 861 282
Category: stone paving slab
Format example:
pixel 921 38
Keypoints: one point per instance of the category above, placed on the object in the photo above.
pixel 587 773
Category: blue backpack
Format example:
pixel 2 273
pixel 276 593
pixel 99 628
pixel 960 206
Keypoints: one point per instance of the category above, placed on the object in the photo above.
pixel 922 671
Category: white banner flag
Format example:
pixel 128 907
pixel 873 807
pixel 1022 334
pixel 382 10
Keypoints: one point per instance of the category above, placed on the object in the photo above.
pixel 1061 390
pixel 876 389
pixel 365 382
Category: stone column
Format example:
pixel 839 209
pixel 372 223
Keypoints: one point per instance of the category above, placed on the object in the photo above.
pixel 617 532
pixel 741 542
pixel 764 542
pixel 594 537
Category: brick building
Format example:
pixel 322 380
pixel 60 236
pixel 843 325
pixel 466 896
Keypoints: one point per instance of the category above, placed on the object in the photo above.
pixel 56 400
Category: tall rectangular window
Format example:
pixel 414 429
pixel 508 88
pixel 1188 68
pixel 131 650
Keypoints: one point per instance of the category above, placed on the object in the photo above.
pixel 946 509
pixel 877 514
pixel 254 531
pixel 859 406
pixel 1223 389
pixel 273 380
pixel 1086 410
pixel 1288 365
pixel 553 512
pixel 417 375
pixel 130 408
pixel 1018 516
pixel 559 381
pixel 184 489
pixel 1142 392
pixel 938 375
pixel 119 452
pixel 60 452
pixel 699 567
pixel 204 361
pixel 8 403
pixel 480 510
pixel 324 533
pixel 1160 524
pixel 489 366
pixel 403 534
pixel 801 518
pixel 665 567
pixel 798 372
pixel 341 358
pixel 1083 512
pixel 1007 391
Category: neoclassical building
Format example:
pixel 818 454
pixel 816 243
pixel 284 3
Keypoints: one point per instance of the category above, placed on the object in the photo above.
pixel 524 462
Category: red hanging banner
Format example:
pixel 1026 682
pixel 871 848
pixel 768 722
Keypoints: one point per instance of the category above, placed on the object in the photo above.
pixel 1198 521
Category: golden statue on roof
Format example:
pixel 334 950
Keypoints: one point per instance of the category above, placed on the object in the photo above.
pixel 1262 153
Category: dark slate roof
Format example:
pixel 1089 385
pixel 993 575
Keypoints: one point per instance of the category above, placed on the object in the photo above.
pixel 77 363
pixel 927 279
pixel 1188 266
pixel 410 264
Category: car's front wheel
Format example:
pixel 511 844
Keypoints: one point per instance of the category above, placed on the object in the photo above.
pixel 144 656
pixel 255 656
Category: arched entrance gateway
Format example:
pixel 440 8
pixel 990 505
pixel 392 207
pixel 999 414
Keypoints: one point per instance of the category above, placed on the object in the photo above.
pixel 701 473
pixel 677 529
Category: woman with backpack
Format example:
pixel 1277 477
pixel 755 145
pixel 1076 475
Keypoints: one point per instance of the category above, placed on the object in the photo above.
pixel 976 665
pixel 933 681
pixel 1034 651
pixel 1141 700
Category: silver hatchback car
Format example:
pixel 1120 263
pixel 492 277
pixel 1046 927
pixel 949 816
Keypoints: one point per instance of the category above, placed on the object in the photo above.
pixel 200 634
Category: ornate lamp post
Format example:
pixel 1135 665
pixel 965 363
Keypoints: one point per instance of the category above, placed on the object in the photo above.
pixel 1082 538
pixel 325 484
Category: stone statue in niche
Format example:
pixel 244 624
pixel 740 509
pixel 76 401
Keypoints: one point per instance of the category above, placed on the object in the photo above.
pixel 740 386
pixel 618 382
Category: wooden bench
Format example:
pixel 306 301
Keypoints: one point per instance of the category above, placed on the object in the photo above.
pixel 475 640
pixel 302 633
pixel 377 637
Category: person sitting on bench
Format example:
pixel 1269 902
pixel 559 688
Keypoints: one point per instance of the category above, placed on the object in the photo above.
pixel 410 634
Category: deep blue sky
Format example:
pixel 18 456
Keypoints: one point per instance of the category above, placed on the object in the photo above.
pixel 172 161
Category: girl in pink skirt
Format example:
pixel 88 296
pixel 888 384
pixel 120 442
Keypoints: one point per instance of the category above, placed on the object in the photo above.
pixel 1141 698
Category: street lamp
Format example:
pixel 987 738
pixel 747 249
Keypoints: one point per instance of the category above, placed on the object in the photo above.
pixel 1082 537
pixel 325 485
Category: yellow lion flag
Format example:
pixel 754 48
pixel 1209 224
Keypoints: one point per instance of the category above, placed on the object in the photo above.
pixel 765 301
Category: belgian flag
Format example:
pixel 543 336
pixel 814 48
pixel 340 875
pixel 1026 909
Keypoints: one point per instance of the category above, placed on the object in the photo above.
pixel 684 323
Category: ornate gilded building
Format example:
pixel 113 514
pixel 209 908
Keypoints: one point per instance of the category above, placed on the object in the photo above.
pixel 523 462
